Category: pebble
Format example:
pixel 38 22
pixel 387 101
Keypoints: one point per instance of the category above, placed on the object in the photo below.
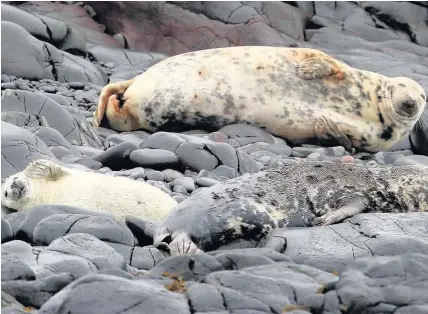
pixel 178 198
pixel 8 85
pixel 187 182
pixel 337 151
pixel 155 175
pixel 224 171
pixel 171 174
pixel 154 158
pixel 76 85
pixel 179 189
pixel 48 88
pixel 204 181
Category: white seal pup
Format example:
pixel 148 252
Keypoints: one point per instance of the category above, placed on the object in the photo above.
pixel 302 95
pixel 303 194
pixel 44 182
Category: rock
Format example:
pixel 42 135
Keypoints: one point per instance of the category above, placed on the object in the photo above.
pixel 135 137
pixel 155 175
pixel 143 229
pixel 412 160
pixel 246 163
pixel 146 257
pixel 117 157
pixel 224 171
pixel 154 158
pixel 187 182
pixel 59 225
pixel 170 174
pixel 35 293
pixel 301 152
pixel 12 268
pixel 180 189
pixel 19 148
pixel 225 154
pixel 9 305
pixel 88 247
pixel 93 294
pixel 163 140
pixel 15 218
pixel 37 214
pixel 195 157
pixel 277 149
pixel 204 181
pixel 27 58
pixel 6 231
pixel 73 127
pixel 331 248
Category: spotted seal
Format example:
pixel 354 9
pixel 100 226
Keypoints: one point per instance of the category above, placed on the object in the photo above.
pixel 43 182
pixel 300 94
pixel 304 194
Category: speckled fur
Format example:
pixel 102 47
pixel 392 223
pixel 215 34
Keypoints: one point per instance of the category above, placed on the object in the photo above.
pixel 48 183
pixel 300 94
pixel 295 195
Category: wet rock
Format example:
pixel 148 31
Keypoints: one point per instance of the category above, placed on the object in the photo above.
pixel 154 158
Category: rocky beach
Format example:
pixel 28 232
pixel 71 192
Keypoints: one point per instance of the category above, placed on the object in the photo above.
pixel 56 57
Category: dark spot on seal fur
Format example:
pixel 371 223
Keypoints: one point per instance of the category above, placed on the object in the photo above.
pixel 148 110
pixel 119 97
pixel 230 105
pixel 259 67
pixel 381 118
pixel 387 133
pixel 401 84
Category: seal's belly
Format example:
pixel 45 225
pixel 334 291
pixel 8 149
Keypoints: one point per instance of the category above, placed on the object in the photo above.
pixel 257 86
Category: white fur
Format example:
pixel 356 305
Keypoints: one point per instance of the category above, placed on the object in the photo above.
pixel 118 196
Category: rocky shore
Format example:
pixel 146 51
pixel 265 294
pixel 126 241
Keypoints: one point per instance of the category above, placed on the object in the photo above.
pixel 56 58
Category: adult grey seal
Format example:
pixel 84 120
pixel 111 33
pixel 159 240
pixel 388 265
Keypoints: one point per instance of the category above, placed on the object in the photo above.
pixel 300 94
pixel 44 182
pixel 300 194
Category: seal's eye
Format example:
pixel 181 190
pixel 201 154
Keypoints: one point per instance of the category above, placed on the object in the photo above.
pixel 5 194
pixel 408 107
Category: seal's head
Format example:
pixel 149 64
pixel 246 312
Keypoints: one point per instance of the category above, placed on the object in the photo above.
pixel 16 191
pixel 407 100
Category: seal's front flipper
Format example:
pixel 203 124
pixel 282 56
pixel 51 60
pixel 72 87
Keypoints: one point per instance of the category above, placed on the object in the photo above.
pixel 183 245
pixel 355 207
pixel 317 68
pixel 328 132
pixel 106 92
pixel 44 169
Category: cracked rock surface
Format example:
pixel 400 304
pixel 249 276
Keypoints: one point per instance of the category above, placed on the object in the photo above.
pixel 57 57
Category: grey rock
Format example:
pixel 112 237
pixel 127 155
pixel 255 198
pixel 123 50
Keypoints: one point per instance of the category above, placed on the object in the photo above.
pixel 88 151
pixel 331 248
pixel 6 230
pixel 92 294
pixel 19 148
pixel 117 157
pixel 187 182
pixel 195 157
pixel 180 189
pixel 154 158
pixel 36 214
pixel 178 198
pixel 89 247
pixel 73 127
pixel 155 175
pixel 388 158
pixel 143 229
pixel 412 160
pixel 171 174
pixel 90 96
pixel 146 257
pixel 15 218
pixel 277 148
pixel 9 305
pixel 135 137
pixel 163 140
pixel 204 181
pixel 337 151
pixel 28 58
pixel 225 154
pixel 224 171
pixel 246 163
pixel 59 225
pixel 35 293
pixel 76 85
pixel 8 85
pixel 12 268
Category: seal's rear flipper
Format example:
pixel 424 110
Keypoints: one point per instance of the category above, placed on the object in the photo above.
pixel 183 245
pixel 106 92
pixel 44 169
pixel 327 130
pixel 355 207
pixel 317 68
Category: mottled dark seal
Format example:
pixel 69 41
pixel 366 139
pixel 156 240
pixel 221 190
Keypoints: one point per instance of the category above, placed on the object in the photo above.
pixel 300 94
pixel 300 194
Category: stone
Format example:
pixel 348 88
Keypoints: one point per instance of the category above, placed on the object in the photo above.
pixel 206 182
pixel 195 157
pixel 6 231
pixel 59 225
pixel 224 171
pixel 117 157
pixel 19 148
pixel 154 158
pixel 411 160
pixel 337 151
pixel 146 257
pixel 225 154
pixel 171 174
pixel 155 175
pixel 36 292
pixel 135 137
pixel 163 140
pixel 186 182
